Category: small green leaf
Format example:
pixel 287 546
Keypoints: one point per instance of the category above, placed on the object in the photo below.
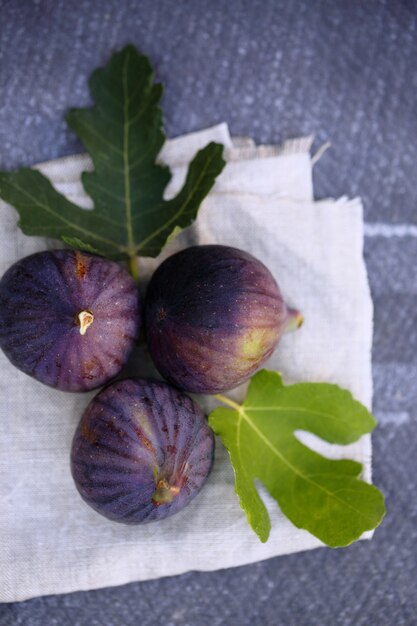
pixel 123 134
pixel 174 234
pixel 76 243
pixel 325 497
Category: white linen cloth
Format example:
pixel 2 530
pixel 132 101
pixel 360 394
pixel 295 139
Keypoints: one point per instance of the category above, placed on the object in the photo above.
pixel 50 540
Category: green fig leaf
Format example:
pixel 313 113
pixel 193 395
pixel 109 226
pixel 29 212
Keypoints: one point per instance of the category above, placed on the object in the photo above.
pixel 123 135
pixel 324 496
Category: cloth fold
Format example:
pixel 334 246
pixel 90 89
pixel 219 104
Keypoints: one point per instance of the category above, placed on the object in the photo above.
pixel 50 541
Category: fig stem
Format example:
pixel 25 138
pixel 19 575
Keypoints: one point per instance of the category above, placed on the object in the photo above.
pixel 85 319
pixel 225 400
pixel 295 320
pixel 133 268
pixel 164 492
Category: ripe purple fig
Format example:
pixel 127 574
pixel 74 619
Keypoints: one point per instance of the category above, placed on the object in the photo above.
pixel 141 452
pixel 67 318
pixel 213 315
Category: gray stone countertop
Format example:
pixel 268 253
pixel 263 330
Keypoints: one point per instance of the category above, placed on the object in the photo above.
pixel 346 72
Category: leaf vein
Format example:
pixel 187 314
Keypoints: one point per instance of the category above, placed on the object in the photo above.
pixel 180 210
pixel 303 476
pixel 275 409
pixel 128 206
pixel 62 219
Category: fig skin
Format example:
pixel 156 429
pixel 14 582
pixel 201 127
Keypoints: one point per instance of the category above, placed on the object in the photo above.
pixel 68 318
pixel 213 316
pixel 142 451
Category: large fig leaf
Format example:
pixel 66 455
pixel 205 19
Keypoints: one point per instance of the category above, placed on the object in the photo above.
pixel 326 497
pixel 123 134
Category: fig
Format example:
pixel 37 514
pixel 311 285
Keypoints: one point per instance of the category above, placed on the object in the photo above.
pixel 213 315
pixel 68 318
pixel 141 452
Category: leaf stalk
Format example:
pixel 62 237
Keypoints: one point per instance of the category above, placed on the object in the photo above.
pixel 225 400
pixel 133 268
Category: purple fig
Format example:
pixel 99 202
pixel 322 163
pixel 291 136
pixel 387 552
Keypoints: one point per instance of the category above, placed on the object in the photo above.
pixel 213 315
pixel 68 319
pixel 141 452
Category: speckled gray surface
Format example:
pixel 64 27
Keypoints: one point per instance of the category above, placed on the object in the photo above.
pixel 344 71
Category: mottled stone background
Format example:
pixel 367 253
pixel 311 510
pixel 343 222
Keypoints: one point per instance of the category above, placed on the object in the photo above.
pixel 345 71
